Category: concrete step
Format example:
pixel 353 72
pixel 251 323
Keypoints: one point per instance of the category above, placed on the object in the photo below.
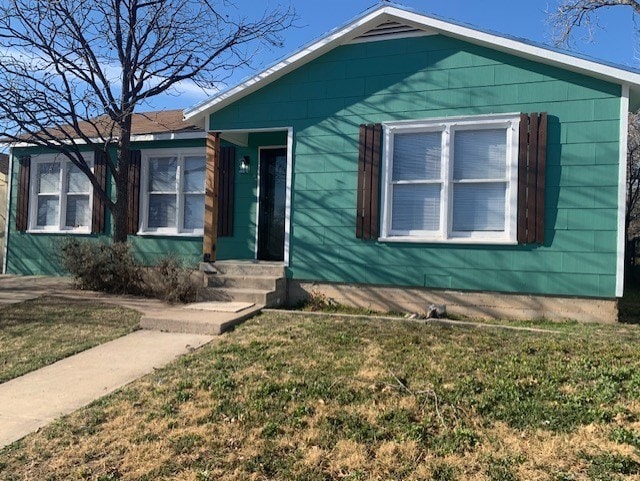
pixel 196 321
pixel 264 297
pixel 245 282
pixel 244 268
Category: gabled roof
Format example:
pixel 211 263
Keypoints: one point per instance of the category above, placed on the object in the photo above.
pixel 388 21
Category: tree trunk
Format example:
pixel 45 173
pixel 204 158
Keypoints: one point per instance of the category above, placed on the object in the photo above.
pixel 121 211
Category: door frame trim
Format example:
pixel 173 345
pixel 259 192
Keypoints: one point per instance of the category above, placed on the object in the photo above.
pixel 287 211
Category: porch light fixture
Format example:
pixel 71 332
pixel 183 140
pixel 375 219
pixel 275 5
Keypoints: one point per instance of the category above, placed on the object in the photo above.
pixel 245 165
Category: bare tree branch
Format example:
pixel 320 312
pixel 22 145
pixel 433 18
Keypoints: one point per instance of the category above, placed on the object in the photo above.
pixel 572 14
pixel 72 72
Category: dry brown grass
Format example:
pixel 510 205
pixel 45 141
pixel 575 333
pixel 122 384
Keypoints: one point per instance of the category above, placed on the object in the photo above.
pixel 315 398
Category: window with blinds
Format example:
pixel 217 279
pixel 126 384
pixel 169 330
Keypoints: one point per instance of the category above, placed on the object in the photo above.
pixel 451 179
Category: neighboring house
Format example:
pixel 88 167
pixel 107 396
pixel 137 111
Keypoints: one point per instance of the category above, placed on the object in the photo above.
pixel 51 198
pixel 404 160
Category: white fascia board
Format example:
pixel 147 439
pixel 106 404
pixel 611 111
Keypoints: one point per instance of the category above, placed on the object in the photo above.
pixel 134 138
pixel 388 13
pixel 168 136
pixel 622 191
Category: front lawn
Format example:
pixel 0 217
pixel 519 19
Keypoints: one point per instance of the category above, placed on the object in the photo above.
pixel 315 398
pixel 42 331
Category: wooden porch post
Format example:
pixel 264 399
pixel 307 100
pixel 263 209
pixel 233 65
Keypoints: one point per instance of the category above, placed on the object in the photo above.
pixel 212 151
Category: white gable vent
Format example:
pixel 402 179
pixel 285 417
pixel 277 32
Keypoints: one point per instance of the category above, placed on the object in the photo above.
pixel 390 30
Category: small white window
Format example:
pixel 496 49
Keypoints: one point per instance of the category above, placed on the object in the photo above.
pixel 60 195
pixel 451 180
pixel 172 192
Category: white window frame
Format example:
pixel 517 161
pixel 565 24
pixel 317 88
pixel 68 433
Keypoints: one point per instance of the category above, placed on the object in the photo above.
pixel 180 153
pixel 448 126
pixel 62 194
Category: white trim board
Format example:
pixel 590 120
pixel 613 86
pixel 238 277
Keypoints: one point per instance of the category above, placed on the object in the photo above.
pixel 622 190
pixel 134 138
pixel 382 14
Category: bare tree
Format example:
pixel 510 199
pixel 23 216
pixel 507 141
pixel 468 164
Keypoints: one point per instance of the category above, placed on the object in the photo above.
pixel 72 72
pixel 632 220
pixel 572 14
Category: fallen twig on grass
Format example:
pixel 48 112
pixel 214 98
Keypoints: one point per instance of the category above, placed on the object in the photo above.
pixel 429 392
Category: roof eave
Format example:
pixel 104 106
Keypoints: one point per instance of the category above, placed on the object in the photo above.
pixel 362 24
pixel 302 56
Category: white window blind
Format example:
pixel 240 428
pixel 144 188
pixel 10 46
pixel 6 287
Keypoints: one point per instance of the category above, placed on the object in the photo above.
pixel 479 175
pixel 417 181
pixel 417 156
pixel 416 207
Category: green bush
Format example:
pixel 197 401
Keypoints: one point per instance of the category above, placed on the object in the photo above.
pixel 102 267
pixel 112 268
pixel 171 281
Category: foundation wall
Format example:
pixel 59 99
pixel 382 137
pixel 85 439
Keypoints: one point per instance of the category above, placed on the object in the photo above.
pixel 483 305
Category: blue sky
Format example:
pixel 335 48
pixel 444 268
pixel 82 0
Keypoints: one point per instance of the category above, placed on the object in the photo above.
pixel 615 39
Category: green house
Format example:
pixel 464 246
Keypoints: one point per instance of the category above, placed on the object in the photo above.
pixel 399 161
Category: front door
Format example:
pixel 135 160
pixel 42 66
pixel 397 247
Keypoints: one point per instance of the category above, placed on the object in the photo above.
pixel 271 217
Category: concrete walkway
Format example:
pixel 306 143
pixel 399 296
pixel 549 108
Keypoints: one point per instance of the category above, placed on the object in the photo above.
pixel 14 289
pixel 35 399
pixel 156 315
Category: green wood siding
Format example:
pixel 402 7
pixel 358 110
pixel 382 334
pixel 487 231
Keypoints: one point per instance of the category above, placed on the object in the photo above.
pixel 326 100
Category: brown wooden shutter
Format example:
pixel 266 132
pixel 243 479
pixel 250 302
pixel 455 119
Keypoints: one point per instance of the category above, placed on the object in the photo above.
pixel 22 207
pixel 100 171
pixel 210 237
pixel 368 181
pixel 134 191
pixel 226 183
pixel 532 159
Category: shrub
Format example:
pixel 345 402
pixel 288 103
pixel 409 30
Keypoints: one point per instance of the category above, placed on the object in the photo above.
pixel 171 281
pixel 319 301
pixel 112 268
pixel 102 267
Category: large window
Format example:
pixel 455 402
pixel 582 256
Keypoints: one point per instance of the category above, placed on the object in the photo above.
pixel 451 179
pixel 60 195
pixel 172 192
